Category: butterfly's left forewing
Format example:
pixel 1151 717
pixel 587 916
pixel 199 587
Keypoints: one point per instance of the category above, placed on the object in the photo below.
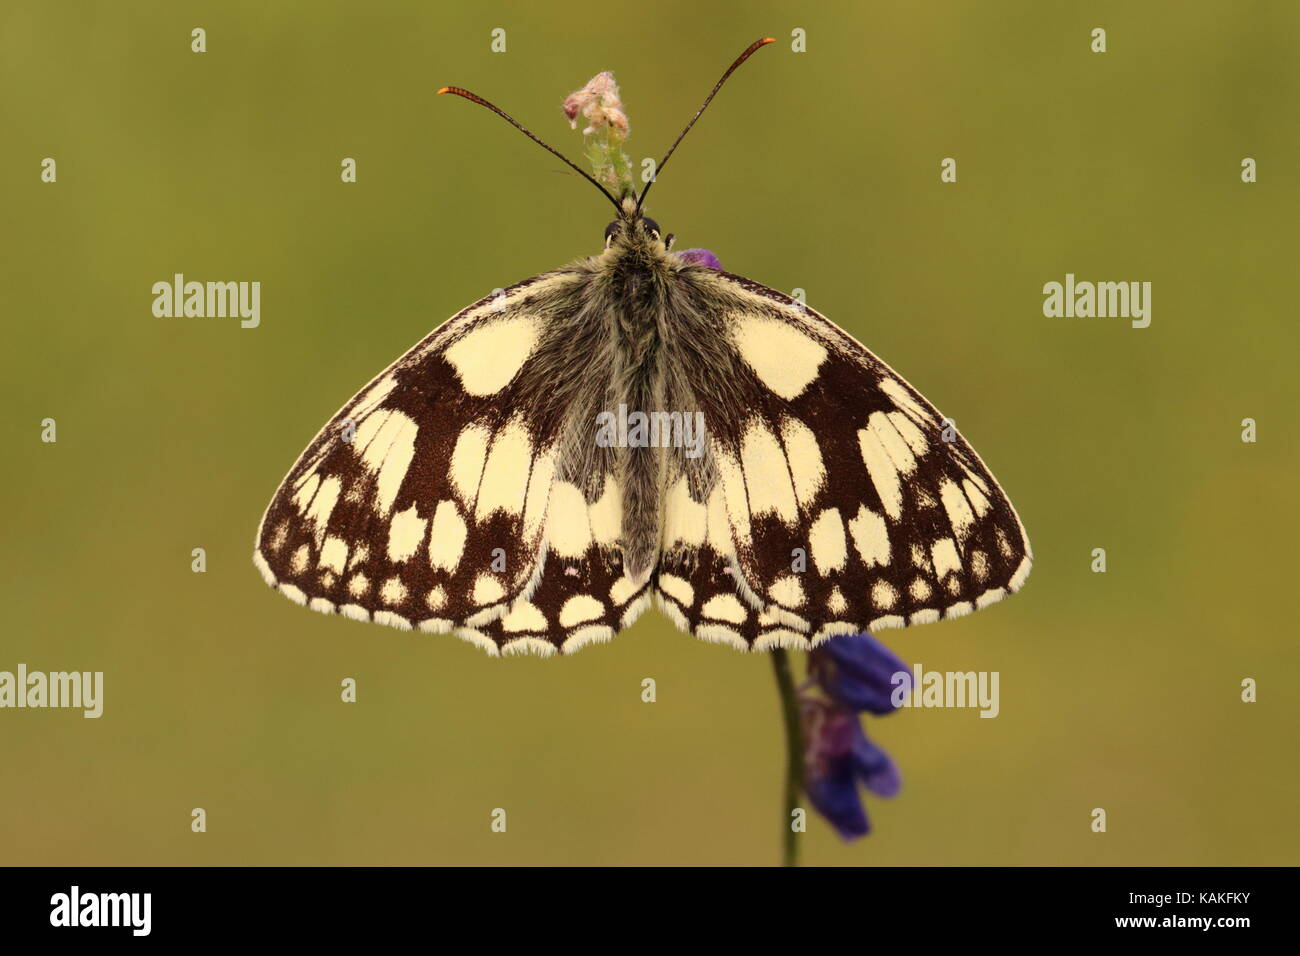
pixel 845 501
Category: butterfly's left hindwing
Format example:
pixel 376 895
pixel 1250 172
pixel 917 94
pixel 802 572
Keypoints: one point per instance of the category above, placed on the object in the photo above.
pixel 845 502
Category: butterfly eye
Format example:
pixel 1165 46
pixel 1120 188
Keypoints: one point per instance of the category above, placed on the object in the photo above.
pixel 610 232
pixel 651 227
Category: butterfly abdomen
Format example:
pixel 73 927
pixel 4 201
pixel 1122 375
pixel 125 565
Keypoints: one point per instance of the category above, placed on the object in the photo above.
pixel 635 289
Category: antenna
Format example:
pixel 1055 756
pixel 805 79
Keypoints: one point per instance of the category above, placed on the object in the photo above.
pixel 730 70
pixel 475 98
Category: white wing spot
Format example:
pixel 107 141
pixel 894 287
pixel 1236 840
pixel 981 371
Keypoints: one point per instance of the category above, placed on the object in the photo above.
pixel 388 452
pixel 785 359
pixel 944 552
pixel 767 477
pixel 487 590
pixel 897 449
pixel 883 595
pixel 621 590
pixel 725 607
pixel 977 498
pixel 976 478
pixel 279 537
pixel 334 554
pixel 487 358
pixel 568 528
pixel 505 476
pixel 524 616
pixel 436 599
pixel 306 491
pixel 393 592
pixel 322 506
pixel 805 457
pixel 959 511
pixel 787 590
pixel 884 475
pixel 679 589
pixel 826 539
pixel 405 534
pixel 870 536
pixel 467 460
pixel 579 609
pixel 911 434
pixel 447 537
pixel 904 400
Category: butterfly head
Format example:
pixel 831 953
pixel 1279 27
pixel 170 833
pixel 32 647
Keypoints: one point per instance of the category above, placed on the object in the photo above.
pixel 631 229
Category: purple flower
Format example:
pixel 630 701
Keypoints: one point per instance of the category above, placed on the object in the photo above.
pixel 700 257
pixel 853 673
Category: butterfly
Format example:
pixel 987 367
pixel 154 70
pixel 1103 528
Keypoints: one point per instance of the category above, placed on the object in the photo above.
pixel 466 489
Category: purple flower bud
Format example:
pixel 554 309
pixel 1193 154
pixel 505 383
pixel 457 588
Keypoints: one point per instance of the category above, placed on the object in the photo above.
pixel 700 257
pixel 860 673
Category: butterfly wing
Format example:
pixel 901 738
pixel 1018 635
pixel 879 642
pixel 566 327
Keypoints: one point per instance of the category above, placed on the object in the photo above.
pixel 426 501
pixel 845 502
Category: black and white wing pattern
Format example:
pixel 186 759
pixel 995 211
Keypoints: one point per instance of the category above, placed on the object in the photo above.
pixel 844 502
pixel 436 499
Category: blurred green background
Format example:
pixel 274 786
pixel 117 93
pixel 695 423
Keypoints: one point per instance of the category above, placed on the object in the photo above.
pixel 816 170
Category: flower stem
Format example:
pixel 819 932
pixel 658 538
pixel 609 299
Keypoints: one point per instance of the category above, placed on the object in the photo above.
pixel 794 754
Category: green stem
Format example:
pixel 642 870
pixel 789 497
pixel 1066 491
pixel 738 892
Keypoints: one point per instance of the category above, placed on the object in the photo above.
pixel 794 754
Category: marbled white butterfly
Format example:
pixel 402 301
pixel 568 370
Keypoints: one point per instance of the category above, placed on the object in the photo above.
pixel 463 490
